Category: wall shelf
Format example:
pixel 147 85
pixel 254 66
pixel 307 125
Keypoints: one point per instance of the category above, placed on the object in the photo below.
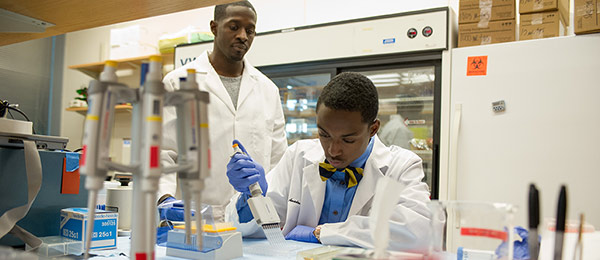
pixel 93 69
pixel 83 110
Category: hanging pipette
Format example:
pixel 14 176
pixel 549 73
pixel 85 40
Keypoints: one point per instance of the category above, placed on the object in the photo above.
pixel 96 139
pixel 143 240
pixel 204 161
pixel 187 142
pixel 192 139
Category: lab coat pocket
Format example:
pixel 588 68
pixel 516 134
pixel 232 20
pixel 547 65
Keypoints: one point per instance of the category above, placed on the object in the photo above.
pixel 293 207
pixel 265 139
pixel 269 124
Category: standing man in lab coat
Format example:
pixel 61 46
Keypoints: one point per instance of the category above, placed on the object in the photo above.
pixel 244 104
pixel 323 188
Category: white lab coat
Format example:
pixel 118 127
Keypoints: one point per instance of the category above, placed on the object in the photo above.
pixel 395 132
pixel 298 193
pixel 257 122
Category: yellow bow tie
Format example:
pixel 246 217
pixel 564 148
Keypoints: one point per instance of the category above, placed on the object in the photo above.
pixel 353 175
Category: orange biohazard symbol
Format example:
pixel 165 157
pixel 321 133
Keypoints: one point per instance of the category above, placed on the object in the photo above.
pixel 477 66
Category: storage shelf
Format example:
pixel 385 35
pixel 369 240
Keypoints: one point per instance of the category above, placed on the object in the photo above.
pixel 288 113
pixel 83 110
pixel 423 152
pixel 93 69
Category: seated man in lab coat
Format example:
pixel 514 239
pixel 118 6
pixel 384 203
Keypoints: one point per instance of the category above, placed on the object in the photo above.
pixel 323 188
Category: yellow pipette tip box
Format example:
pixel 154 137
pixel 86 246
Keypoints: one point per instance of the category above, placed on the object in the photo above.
pixel 217 228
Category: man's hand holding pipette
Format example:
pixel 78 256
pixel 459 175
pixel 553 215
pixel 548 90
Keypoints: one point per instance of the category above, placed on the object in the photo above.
pixel 248 177
pixel 171 209
pixel 242 171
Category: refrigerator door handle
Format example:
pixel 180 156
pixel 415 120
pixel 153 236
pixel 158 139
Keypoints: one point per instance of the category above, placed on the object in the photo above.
pixel 452 169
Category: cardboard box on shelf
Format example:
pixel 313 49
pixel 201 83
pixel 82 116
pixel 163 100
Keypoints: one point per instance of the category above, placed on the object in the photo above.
pixel 471 34
pixel 587 16
pixel 541 25
pixel 476 11
pixel 130 50
pixel 131 41
pixel 536 6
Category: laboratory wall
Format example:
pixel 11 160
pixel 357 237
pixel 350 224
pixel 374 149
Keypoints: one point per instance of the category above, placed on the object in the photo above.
pixel 93 45
pixel 31 74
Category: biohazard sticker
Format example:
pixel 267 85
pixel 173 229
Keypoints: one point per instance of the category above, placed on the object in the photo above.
pixel 477 66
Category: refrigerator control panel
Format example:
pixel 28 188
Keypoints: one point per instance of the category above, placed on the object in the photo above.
pixel 424 30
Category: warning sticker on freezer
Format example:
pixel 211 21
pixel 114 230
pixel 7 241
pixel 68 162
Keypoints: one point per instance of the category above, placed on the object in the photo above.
pixel 477 66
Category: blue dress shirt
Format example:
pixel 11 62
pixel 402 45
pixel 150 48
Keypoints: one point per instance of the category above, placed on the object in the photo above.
pixel 338 197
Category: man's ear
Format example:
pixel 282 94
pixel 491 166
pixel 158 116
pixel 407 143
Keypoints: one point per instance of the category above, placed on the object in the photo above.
pixel 213 27
pixel 374 127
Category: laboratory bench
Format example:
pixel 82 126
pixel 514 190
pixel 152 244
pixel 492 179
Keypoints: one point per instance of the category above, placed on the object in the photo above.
pixel 123 246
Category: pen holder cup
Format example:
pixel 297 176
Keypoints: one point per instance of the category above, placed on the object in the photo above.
pixel 471 230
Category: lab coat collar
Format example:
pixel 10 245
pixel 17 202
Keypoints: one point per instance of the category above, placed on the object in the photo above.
pixel 375 168
pixel 313 182
pixel 214 85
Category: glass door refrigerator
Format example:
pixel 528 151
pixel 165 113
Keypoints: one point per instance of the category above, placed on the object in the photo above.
pixel 406 55
pixel 408 102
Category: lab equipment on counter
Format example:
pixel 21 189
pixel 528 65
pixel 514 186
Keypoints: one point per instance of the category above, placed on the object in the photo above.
pixel 470 225
pixel 590 237
pixel 561 216
pixel 16 133
pixel 119 199
pixel 221 241
pixel 55 246
pixel 191 106
pixel 74 221
pixel 534 222
pixel 578 255
pixel 44 213
pixel 102 98
pixel 148 102
pixel 262 209
pixel 171 209
pixel 384 202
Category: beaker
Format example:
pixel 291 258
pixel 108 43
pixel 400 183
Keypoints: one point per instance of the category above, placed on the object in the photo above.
pixel 473 230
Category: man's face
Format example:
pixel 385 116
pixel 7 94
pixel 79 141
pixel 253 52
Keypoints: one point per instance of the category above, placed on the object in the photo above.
pixel 235 32
pixel 343 135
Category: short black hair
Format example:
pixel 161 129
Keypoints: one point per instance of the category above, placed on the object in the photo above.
pixel 220 9
pixel 351 91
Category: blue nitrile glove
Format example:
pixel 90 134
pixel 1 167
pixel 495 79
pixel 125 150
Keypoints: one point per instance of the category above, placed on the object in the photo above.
pixel 243 209
pixel 303 234
pixel 521 248
pixel 162 233
pixel 171 209
pixel 243 171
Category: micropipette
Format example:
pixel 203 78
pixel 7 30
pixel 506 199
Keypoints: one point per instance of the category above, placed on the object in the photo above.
pixel 263 210
pixel 142 242
pixel 97 129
